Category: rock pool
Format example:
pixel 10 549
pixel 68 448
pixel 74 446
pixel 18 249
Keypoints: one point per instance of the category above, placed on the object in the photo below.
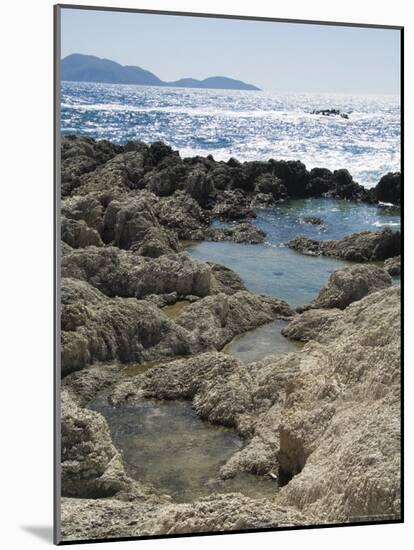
pixel 274 269
pixel 166 444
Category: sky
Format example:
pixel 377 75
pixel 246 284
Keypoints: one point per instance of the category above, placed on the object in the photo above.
pixel 275 56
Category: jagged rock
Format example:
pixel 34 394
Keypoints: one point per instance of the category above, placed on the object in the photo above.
pixel 217 319
pixel 123 273
pixel 159 151
pixel 199 186
pixel 77 234
pixel 224 279
pixel 340 426
pixel 310 324
pixel 132 223
pixel 96 328
pixel 83 385
pixel 91 465
pixel 218 385
pixel 342 186
pixel 233 205
pixel 115 178
pixel 262 200
pixel 166 181
pixel 348 285
pixel 88 208
pixel 220 176
pixel 80 155
pixel 294 176
pixel 358 247
pixel 388 189
pixel 65 248
pixel 182 214
pixel 313 220
pixel 162 300
pixel 320 181
pixel 393 266
pixel 268 183
pixel 330 112
pixel 242 233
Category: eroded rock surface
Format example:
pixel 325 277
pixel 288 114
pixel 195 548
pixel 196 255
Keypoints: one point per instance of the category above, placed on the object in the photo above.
pixel 393 266
pixel 91 465
pixel 348 285
pixel 367 246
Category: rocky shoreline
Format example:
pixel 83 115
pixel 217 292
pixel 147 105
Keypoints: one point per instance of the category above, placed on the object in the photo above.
pixel 325 418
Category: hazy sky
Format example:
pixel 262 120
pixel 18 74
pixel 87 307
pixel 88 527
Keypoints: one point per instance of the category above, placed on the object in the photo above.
pixel 274 56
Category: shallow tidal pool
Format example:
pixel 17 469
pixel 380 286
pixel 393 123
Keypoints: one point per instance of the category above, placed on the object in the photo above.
pixel 260 342
pixel 273 268
pixel 165 444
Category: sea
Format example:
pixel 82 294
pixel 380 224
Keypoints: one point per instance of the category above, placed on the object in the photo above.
pixel 257 126
pixel 246 125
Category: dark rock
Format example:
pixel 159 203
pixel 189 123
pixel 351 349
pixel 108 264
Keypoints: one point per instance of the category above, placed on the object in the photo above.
pixel 342 186
pixel 159 151
pixel 165 181
pixel 220 176
pixel 263 200
pixel 358 247
pixel 233 205
pixel 294 175
pixel 330 112
pixel 388 188
pixel 242 233
pixel 89 208
pixel 313 220
pixel 199 186
pixel 268 183
pixel 320 182
pixel 77 234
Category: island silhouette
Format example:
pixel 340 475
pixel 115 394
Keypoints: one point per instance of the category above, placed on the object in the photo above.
pixel 89 68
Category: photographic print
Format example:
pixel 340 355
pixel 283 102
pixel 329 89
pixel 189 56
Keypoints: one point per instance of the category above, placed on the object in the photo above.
pixel 228 274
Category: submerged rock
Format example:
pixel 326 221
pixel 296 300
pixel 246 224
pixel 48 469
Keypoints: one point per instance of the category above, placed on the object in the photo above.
pixel 313 220
pixel 358 247
pixel 242 233
pixel 348 285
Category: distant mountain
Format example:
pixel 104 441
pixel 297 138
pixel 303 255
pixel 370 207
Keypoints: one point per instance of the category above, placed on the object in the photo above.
pixel 89 68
